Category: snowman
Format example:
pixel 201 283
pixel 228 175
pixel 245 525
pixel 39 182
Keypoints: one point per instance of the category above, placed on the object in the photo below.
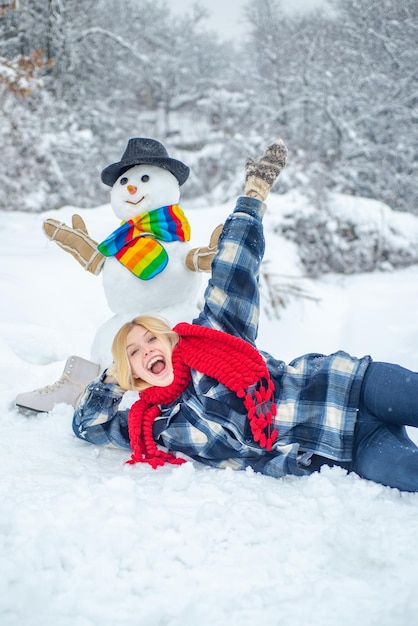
pixel 147 264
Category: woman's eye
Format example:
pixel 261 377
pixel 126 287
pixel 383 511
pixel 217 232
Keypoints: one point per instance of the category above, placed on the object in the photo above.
pixel 123 180
pixel 145 178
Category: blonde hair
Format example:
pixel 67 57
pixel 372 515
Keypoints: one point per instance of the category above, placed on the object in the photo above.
pixel 121 368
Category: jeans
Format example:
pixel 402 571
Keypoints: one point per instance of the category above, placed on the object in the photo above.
pixel 382 450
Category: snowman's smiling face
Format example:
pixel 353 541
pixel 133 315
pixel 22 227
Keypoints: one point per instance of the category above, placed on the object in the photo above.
pixel 143 188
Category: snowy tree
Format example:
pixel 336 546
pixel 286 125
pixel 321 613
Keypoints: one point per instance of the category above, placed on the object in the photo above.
pixel 19 75
pixel 343 89
pixel 380 54
pixel 340 89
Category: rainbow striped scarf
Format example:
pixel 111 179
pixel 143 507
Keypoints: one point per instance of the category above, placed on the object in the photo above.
pixel 134 242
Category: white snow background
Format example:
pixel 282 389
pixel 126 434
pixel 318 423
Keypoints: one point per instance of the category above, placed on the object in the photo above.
pixel 87 540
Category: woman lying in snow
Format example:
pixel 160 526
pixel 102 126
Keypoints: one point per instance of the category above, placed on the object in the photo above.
pixel 207 393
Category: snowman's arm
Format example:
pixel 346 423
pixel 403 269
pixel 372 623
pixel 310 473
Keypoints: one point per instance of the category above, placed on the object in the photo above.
pixel 98 419
pixel 76 241
pixel 200 259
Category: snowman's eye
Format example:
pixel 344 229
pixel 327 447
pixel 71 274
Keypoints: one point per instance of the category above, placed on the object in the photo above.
pixel 123 180
pixel 145 178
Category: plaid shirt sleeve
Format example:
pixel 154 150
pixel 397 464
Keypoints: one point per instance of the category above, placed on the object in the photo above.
pixel 232 301
pixel 98 418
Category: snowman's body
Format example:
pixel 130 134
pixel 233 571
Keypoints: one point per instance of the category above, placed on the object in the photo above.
pixel 173 293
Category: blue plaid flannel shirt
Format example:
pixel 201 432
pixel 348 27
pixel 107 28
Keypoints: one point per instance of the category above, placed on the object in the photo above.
pixel 316 395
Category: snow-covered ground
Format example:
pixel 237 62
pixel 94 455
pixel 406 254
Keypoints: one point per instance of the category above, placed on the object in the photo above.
pixel 86 540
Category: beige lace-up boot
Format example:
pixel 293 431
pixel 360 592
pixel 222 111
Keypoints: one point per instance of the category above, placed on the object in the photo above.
pixel 77 374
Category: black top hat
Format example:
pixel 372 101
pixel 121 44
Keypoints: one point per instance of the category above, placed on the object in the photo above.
pixel 142 151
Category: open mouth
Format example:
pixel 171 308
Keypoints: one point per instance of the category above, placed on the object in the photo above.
pixel 156 365
pixel 137 202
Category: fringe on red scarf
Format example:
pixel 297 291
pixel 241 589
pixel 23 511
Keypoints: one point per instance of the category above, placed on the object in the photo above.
pixel 232 361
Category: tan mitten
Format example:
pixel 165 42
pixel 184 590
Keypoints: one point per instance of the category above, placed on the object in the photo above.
pixel 260 175
pixel 200 259
pixel 77 242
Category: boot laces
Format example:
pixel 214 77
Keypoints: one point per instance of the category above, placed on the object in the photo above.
pixel 59 383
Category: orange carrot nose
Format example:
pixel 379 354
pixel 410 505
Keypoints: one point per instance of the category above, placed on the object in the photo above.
pixel 132 189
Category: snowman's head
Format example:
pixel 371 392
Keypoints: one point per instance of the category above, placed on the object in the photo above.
pixel 143 188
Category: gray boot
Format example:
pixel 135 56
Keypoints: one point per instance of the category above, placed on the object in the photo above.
pixel 76 375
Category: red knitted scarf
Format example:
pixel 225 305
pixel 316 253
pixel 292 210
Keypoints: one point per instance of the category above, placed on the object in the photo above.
pixel 232 361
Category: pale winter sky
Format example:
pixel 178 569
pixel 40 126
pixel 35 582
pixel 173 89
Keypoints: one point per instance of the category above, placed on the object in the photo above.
pixel 227 15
